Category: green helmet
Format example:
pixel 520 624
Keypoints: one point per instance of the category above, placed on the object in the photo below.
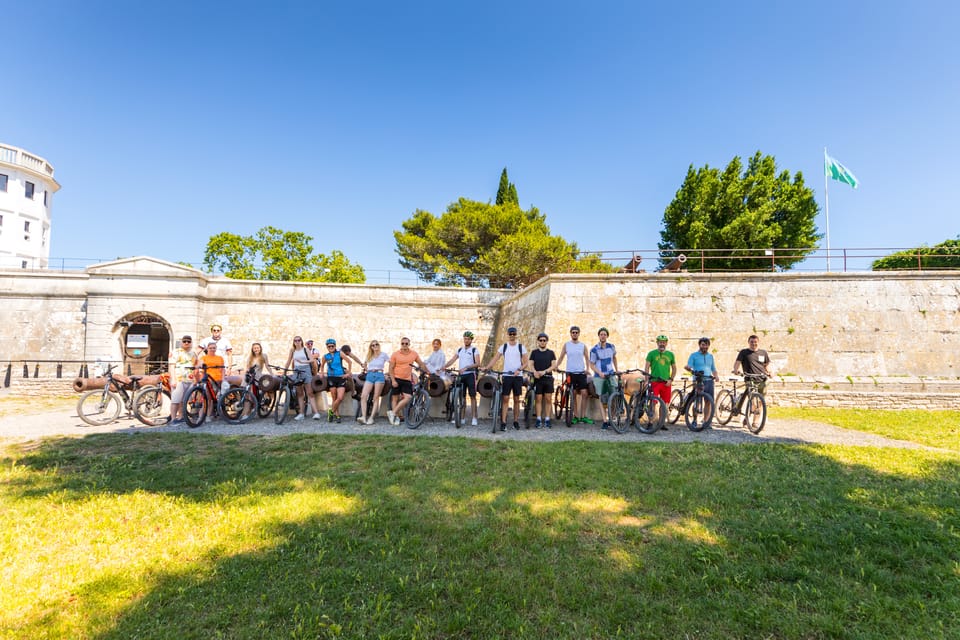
pixel 662 338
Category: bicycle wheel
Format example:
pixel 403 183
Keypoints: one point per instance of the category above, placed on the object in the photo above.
pixel 265 404
pixel 651 414
pixel 725 406
pixel 619 412
pixel 755 412
pixel 281 404
pixel 151 406
pixel 238 405
pixel 98 407
pixel 560 401
pixel 418 409
pixel 495 409
pixel 528 403
pixel 568 406
pixel 699 411
pixel 675 410
pixel 457 407
pixel 195 406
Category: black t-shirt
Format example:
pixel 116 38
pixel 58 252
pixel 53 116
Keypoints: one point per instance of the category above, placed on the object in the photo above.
pixel 542 359
pixel 753 361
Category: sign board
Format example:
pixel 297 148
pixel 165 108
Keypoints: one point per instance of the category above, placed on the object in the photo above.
pixel 138 340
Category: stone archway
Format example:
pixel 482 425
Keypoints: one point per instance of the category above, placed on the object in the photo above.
pixel 144 343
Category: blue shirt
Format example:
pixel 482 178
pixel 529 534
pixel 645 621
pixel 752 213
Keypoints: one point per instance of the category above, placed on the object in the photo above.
pixel 603 358
pixel 702 362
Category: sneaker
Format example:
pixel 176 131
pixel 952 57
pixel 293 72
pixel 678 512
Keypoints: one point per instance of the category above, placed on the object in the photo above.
pixel 316 416
pixel 391 417
pixel 329 415
pixel 516 425
pixel 299 417
pixel 586 420
pixel 361 420
pixel 547 424
pixel 370 420
pixel 664 427
pixel 336 418
pixel 503 426
pixel 453 422
pixel 606 425
pixel 539 424
pixel 396 422
pixel 176 423
pixel 473 422
pixel 575 421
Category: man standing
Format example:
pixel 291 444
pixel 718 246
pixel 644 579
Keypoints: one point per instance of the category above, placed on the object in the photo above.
pixel 603 361
pixel 337 370
pixel 662 367
pixel 701 360
pixel 543 360
pixel 468 361
pixel 515 359
pixel 224 348
pixel 755 363
pixel 401 372
pixel 576 355
pixel 182 363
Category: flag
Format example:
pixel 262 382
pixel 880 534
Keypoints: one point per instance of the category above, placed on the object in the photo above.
pixel 837 171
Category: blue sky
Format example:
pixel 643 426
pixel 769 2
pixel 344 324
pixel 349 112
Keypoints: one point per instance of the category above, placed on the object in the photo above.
pixel 170 122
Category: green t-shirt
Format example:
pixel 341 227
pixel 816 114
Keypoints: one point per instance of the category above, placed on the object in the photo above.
pixel 661 363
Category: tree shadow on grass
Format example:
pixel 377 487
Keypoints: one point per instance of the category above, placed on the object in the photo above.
pixel 461 538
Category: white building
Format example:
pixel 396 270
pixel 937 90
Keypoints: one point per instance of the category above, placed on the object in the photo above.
pixel 26 198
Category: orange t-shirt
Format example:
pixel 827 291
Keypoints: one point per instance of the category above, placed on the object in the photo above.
pixel 400 363
pixel 216 374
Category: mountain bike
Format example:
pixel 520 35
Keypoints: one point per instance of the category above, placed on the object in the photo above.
pixel 201 398
pixel 698 406
pixel 286 392
pixel 677 397
pixel 529 400
pixel 238 404
pixel 419 406
pixel 618 408
pixel 648 411
pixel 455 408
pixel 497 400
pixel 731 403
pixel 102 406
pixel 561 399
pixel 151 404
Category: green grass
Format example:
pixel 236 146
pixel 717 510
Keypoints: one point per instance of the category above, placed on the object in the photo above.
pixel 932 428
pixel 184 536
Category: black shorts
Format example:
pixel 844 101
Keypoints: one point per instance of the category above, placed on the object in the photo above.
pixel 543 385
pixel 469 381
pixel 335 382
pixel 404 386
pixel 512 384
pixel 578 381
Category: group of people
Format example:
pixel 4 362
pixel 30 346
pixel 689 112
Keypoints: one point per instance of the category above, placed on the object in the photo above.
pixel 585 366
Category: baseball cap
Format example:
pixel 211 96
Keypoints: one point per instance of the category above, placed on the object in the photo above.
pixel 512 330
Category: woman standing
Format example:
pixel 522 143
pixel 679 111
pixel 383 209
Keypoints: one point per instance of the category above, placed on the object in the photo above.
pixel 303 362
pixel 374 365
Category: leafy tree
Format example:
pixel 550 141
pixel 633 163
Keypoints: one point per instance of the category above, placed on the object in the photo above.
pixel 274 254
pixel 476 243
pixel 945 255
pixel 737 213
pixel 507 192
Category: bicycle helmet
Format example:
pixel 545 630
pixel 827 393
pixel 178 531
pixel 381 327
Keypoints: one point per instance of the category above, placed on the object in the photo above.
pixel 468 334
pixel 662 338
pixel 330 341
pixel 543 335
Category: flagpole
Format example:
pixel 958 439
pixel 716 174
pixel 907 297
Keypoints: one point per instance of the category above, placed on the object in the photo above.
pixel 826 200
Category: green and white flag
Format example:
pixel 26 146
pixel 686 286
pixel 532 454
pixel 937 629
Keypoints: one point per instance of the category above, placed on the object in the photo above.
pixel 837 171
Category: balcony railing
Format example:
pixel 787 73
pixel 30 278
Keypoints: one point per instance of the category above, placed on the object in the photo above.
pixel 17 156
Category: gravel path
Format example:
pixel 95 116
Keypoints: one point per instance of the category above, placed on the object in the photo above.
pixel 64 422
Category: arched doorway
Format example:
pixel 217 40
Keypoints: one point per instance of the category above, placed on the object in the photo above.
pixel 144 343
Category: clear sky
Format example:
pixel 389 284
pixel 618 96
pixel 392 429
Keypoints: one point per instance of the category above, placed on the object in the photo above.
pixel 170 122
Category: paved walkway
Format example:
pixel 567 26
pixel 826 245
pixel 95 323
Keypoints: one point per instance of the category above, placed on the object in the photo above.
pixel 63 421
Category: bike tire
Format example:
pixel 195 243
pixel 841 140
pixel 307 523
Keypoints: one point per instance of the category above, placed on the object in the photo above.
pixel 568 407
pixel 195 406
pixel 529 401
pixel 755 412
pixel 265 403
pixel 699 412
pixel 237 405
pixel 619 412
pixel 651 415
pixel 559 403
pixel 281 405
pixel 98 407
pixel 725 406
pixel 418 409
pixel 675 410
pixel 458 408
pixel 151 406
pixel 495 410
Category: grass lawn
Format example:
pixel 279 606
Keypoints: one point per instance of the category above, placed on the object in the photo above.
pixel 121 536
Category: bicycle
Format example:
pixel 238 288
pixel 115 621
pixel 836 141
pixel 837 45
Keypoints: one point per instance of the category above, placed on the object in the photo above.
pixel 151 404
pixel 102 406
pixel 677 398
pixel 698 406
pixel 455 408
pixel 731 403
pixel 529 400
pixel 648 411
pixel 618 408
pixel 238 404
pixel 561 400
pixel 284 393
pixel 497 400
pixel 419 406
pixel 200 397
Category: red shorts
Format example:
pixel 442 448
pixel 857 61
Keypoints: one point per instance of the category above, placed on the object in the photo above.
pixel 662 389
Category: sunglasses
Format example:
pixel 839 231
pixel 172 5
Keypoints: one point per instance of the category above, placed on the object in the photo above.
pixel 541 339
pixel 404 344
pixel 374 344
pixel 186 341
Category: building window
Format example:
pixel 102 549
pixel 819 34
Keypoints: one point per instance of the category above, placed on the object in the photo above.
pixel 26 226
pixel 3 182
pixel 28 191
pixel 45 198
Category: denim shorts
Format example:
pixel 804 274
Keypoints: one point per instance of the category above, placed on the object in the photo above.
pixel 375 377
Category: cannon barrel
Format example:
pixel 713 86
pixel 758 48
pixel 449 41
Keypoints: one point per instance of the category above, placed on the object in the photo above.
pixel 676 263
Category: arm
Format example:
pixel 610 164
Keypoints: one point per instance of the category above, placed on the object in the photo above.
pixel 289 360
pixel 524 360
pixel 557 363
pixel 496 358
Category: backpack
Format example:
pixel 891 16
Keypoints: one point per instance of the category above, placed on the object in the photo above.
pixel 503 349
